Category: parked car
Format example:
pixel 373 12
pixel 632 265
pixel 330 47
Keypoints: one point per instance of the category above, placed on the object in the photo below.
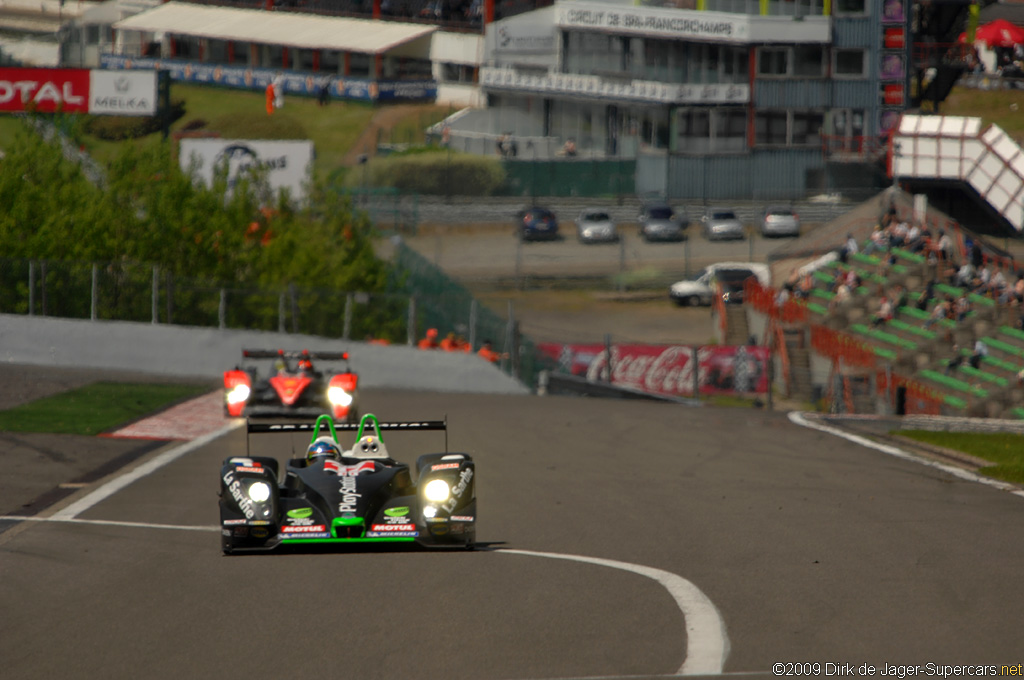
pixel 779 221
pixel 595 225
pixel 536 223
pixel 731 275
pixel 722 223
pixel 660 222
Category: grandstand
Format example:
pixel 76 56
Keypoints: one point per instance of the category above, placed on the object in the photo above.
pixel 927 320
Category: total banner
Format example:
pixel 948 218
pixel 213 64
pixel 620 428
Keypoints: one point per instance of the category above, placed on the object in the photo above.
pixel 665 369
pixel 78 90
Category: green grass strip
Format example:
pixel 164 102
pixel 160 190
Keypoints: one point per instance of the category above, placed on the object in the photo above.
pixel 95 408
pixel 1004 450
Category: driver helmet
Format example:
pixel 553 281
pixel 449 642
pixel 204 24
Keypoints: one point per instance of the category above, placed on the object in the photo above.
pixel 323 446
pixel 305 365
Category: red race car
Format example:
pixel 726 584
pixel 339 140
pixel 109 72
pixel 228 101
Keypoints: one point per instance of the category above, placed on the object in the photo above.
pixel 293 388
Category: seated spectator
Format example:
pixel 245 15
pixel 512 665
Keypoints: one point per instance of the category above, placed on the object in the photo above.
pixel 884 314
pixel 915 239
pixel 965 275
pixel 980 352
pixel 899 297
pixel 849 248
pixel 944 247
pixel 899 234
pixel 1018 288
pixel 940 311
pixel 805 286
pixel 487 352
pixel 954 361
pixel 925 297
pixel 962 307
pixel 878 241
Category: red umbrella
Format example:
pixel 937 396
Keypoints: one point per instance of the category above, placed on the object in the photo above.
pixel 998 33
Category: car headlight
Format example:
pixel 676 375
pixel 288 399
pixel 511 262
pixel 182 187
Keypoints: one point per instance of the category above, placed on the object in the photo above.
pixel 429 511
pixel 437 491
pixel 238 394
pixel 259 491
pixel 338 396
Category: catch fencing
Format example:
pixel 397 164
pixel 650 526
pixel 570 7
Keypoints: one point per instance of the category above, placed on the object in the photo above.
pixel 420 297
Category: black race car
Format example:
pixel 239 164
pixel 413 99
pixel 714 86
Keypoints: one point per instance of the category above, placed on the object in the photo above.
pixel 292 388
pixel 327 495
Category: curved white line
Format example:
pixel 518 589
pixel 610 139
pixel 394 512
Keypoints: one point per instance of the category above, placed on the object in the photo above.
pixel 118 483
pixel 707 643
pixel 799 419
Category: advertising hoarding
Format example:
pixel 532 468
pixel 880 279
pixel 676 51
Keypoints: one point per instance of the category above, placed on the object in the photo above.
pixel 287 163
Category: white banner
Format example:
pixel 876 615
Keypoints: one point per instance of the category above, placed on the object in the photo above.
pixel 288 163
pixel 123 93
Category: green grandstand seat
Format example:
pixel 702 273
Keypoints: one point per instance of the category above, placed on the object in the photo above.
pixel 1005 347
pixel 979 374
pixel 911 328
pixel 953 383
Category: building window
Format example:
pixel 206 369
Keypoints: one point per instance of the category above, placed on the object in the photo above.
pixel 849 63
pixel 770 128
pixel 704 130
pixel 730 130
pixel 809 61
pixel 850 7
pixel 807 127
pixel 773 61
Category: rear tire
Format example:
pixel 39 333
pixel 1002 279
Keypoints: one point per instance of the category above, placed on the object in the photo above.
pixel 693 301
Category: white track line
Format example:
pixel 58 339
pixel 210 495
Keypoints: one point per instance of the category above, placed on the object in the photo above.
pixel 799 419
pixel 707 644
pixel 118 483
pixel 107 522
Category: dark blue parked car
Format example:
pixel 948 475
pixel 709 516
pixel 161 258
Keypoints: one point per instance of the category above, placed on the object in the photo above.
pixel 537 223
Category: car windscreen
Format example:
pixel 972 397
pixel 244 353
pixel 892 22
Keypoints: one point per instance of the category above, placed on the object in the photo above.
pixel 781 212
pixel 660 213
pixel 596 217
pixel 723 215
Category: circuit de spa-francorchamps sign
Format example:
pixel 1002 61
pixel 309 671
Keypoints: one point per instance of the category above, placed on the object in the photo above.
pixel 78 90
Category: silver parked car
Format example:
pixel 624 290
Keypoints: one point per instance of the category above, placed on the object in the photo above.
pixel 595 225
pixel 722 223
pixel 659 222
pixel 779 221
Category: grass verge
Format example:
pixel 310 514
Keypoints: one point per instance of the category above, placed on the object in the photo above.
pixel 94 408
pixel 1004 450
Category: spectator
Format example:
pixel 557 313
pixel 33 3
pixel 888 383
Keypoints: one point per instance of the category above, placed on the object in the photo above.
pixel 430 341
pixel 884 314
pixel 849 248
pixel 962 308
pixel 487 352
pixel 878 241
pixel 954 361
pixel 569 148
pixel 979 353
pixel 450 343
pixel 915 240
pixel 940 311
pixel 944 247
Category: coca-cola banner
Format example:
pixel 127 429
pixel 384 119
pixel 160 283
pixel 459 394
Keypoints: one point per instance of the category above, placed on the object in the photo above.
pixel 665 369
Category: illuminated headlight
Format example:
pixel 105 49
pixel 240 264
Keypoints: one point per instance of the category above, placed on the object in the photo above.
pixel 430 511
pixel 338 396
pixel 259 491
pixel 238 394
pixel 437 491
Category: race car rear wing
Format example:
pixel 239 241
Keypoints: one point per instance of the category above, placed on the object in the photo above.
pixel 293 354
pixel 368 419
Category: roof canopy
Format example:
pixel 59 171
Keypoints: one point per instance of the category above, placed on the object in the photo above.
pixel 276 28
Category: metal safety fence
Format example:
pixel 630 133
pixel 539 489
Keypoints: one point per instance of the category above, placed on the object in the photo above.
pixel 420 297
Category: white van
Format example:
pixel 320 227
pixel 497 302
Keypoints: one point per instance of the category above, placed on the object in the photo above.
pixel 701 290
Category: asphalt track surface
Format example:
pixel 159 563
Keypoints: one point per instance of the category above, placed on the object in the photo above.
pixel 810 547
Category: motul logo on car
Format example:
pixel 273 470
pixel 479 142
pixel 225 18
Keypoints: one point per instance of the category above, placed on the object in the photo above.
pixel 315 528
pixel 393 527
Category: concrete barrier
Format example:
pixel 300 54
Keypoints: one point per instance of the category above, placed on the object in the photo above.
pixel 206 353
